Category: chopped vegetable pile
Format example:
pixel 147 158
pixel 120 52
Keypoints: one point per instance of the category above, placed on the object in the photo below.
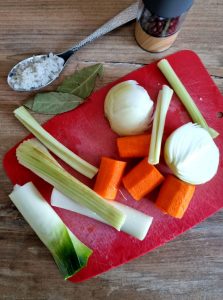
pixel 129 110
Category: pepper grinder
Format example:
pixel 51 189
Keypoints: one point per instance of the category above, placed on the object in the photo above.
pixel 158 23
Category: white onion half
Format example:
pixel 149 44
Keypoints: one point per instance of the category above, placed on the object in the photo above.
pixel 128 108
pixel 191 154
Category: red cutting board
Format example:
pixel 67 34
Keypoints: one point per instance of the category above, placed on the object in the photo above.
pixel 86 132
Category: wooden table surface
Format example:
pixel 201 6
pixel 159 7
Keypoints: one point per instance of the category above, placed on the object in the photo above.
pixel 191 266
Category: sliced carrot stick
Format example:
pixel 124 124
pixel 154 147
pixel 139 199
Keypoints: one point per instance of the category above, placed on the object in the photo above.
pixel 142 179
pixel 109 177
pixel 175 196
pixel 133 146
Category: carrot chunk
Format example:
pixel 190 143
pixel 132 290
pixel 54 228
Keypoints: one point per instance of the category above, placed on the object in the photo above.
pixel 142 179
pixel 133 146
pixel 175 196
pixel 109 177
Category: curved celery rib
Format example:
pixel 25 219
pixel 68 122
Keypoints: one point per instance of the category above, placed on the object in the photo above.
pixel 163 102
pixel 184 96
pixel 53 145
pixel 32 156
pixel 70 254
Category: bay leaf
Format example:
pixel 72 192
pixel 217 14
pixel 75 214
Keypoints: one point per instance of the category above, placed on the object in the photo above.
pixel 53 103
pixel 82 82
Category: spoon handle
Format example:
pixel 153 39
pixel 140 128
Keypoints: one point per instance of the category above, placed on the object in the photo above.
pixel 123 17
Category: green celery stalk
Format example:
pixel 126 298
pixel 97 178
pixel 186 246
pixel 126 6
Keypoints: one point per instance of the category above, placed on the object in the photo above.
pixel 184 96
pixel 31 155
pixel 53 145
pixel 163 102
pixel 70 254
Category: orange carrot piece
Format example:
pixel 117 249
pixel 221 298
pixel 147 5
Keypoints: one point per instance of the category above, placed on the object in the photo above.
pixel 133 146
pixel 109 177
pixel 175 196
pixel 142 179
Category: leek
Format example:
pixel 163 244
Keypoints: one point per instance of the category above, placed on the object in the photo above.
pixel 31 155
pixel 163 102
pixel 136 223
pixel 184 96
pixel 53 145
pixel 69 253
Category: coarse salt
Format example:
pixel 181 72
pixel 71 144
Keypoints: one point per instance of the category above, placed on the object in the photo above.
pixel 35 72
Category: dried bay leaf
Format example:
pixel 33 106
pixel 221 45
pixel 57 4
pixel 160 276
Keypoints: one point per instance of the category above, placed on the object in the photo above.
pixel 53 103
pixel 82 82
pixel 69 94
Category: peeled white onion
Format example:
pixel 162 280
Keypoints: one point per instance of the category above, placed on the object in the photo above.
pixel 191 154
pixel 128 108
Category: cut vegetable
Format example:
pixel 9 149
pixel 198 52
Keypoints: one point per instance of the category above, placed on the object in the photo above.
pixel 142 179
pixel 136 223
pixel 184 96
pixel 162 106
pixel 175 196
pixel 53 145
pixel 191 154
pixel 133 146
pixel 109 177
pixel 128 108
pixel 69 253
pixel 31 155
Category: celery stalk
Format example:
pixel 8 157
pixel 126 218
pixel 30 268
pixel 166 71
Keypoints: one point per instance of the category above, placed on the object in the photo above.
pixel 184 96
pixel 41 162
pixel 69 253
pixel 53 145
pixel 163 102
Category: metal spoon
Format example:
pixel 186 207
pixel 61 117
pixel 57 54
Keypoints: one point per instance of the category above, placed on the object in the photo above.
pixel 122 18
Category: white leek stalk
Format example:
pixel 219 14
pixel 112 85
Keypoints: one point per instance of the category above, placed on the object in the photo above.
pixel 69 253
pixel 53 145
pixel 36 158
pixel 184 96
pixel 136 223
pixel 163 102
pixel 191 154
